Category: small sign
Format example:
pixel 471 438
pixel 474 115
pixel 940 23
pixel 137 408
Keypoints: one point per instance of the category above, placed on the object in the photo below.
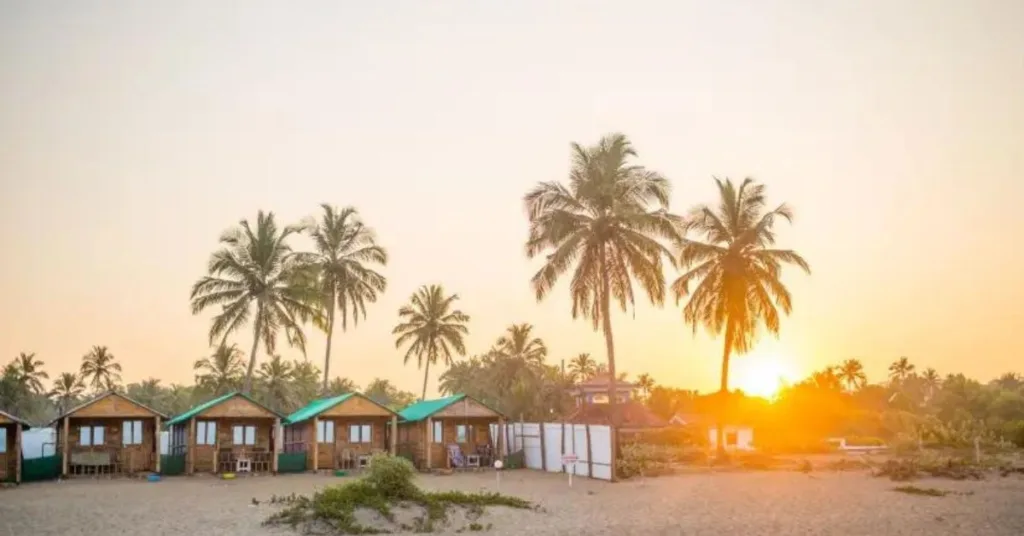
pixel 568 459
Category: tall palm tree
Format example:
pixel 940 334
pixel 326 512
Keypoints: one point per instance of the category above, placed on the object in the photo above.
pixel 518 342
pixel 31 370
pixel 605 227
pixel 220 373
pixel 100 369
pixel 582 366
pixel 345 251
pixel 851 372
pixel 275 381
pixel 432 328
pixel 67 389
pixel 736 271
pixel 931 381
pixel 901 369
pixel 645 383
pixel 256 269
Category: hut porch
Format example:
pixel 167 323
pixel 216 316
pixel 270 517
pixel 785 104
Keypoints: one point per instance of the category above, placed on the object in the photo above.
pixel 433 427
pixel 341 432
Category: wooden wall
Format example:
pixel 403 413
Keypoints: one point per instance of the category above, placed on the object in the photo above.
pixel 413 437
pixel 113 405
pixel 206 455
pixel 327 453
pixel 133 457
pixel 10 456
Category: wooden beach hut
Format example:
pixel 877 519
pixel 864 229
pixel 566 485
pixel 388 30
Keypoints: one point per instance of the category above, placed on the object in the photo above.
pixel 10 447
pixel 430 431
pixel 341 432
pixel 229 434
pixel 109 435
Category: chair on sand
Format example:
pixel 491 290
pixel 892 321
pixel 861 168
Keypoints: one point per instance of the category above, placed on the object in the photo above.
pixel 455 458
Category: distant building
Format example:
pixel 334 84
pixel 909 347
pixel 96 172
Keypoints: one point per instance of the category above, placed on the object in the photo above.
pixel 595 390
pixel 592 405
pixel 735 436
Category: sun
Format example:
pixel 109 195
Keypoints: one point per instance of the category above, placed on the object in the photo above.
pixel 761 373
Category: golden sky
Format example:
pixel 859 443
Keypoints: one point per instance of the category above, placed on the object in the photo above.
pixel 130 137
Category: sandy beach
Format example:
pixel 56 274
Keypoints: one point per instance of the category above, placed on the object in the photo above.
pixel 750 503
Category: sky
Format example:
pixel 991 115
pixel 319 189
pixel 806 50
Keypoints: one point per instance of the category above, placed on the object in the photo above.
pixel 133 133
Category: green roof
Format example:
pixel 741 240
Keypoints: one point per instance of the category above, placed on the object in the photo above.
pixel 317 407
pixel 425 408
pixel 211 403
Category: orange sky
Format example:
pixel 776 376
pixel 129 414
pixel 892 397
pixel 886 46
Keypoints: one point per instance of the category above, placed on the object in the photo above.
pixel 131 137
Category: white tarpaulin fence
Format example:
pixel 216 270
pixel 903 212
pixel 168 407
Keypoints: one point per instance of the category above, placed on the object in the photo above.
pixel 560 439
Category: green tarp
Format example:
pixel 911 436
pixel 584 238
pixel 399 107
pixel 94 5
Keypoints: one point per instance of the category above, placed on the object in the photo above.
pixel 172 465
pixel 36 469
pixel 291 462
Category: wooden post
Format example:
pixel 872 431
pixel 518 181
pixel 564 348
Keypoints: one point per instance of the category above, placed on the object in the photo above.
pixel 430 441
pixel 64 447
pixel 156 444
pixel 501 439
pixel 590 457
pixel 191 450
pixel 543 452
pixel 273 445
pixel 316 444
pixel 17 453
pixel 394 435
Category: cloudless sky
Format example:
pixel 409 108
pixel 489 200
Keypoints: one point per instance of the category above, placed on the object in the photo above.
pixel 133 133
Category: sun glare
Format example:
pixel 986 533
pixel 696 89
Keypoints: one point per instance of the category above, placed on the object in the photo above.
pixel 762 373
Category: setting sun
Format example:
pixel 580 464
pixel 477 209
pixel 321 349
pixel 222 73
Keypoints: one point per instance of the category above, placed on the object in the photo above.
pixel 762 373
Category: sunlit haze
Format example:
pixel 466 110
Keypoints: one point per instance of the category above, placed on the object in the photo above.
pixel 132 134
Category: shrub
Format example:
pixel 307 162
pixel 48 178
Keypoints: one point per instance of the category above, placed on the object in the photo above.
pixel 392 476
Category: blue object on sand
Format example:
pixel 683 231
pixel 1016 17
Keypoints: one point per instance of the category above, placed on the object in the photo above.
pixel 153 478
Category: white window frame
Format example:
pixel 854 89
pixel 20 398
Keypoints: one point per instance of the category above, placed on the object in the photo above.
pixel 131 433
pixel 437 434
pixel 360 433
pixel 325 432
pixel 87 436
pixel 206 432
pixel 247 432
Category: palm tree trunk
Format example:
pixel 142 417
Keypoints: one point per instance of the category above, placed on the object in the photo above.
pixel 724 391
pixel 426 374
pixel 330 334
pixel 606 319
pixel 257 325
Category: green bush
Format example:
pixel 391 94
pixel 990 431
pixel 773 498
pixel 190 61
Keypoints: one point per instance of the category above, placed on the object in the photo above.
pixel 392 476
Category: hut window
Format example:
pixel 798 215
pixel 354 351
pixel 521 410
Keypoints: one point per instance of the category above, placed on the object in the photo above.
pixel 131 434
pixel 359 433
pixel 325 432
pixel 244 435
pixel 438 432
pixel 206 432
pixel 90 435
pixel 3 440
pixel 464 433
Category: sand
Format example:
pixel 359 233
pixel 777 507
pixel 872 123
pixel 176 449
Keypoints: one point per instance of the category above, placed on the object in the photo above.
pixel 749 503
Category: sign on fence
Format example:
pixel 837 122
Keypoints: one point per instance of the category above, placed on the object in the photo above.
pixel 569 458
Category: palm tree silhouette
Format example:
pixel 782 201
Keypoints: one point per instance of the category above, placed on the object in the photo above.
pixel 432 328
pixel 582 366
pixel 851 372
pixel 31 371
pixel 220 373
pixel 67 389
pixel 100 369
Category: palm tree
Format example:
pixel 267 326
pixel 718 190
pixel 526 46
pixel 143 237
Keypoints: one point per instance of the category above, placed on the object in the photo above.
pixel 340 386
pixel 518 342
pixel 828 379
pixel 931 381
pixel 851 372
pixel 100 369
pixel 305 380
pixel 463 377
pixel 220 373
pixel 433 329
pixel 736 271
pixel 148 392
pixel 67 389
pixel 31 370
pixel 256 268
pixel 645 383
pixel 583 366
pixel 901 369
pixel 275 381
pixel 178 399
pixel 344 249
pixel 607 223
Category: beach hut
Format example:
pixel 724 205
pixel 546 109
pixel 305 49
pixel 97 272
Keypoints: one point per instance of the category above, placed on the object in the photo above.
pixel 449 432
pixel 229 434
pixel 341 432
pixel 109 435
pixel 10 447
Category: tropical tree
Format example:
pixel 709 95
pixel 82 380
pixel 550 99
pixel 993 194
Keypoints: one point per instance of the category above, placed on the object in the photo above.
pixel 518 342
pixel 340 386
pixel 100 369
pixel 931 381
pixel 736 271
pixel 257 269
pixel 851 372
pixel 275 382
pixel 305 380
pixel 462 377
pixel 148 392
pixel 1010 381
pixel 31 371
pixel 220 372
pixel 177 399
pixel 67 389
pixel 346 250
pixel 583 366
pixel 605 227
pixel 829 379
pixel 645 383
pixel 385 393
pixel 432 328
pixel 900 370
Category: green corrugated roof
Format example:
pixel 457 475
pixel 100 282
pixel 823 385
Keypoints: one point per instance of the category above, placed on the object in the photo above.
pixel 425 408
pixel 317 407
pixel 211 403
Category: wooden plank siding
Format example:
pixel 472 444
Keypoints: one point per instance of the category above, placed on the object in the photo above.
pixel 412 439
pixel 9 459
pixel 206 455
pixel 112 412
